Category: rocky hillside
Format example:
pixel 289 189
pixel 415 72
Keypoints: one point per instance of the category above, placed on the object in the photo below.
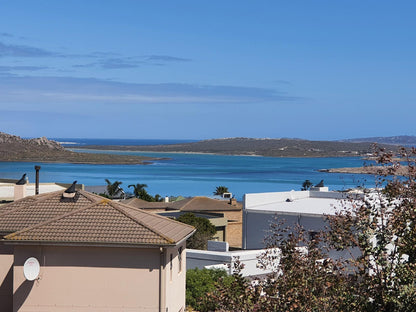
pixel 13 143
pixel 262 147
pixel 403 140
pixel 14 148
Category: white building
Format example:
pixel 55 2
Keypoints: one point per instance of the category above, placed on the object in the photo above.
pixel 306 208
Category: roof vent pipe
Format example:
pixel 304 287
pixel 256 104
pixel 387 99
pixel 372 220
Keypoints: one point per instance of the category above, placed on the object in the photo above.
pixel 37 168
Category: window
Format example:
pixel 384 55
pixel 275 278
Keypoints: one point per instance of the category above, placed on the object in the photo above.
pixel 313 235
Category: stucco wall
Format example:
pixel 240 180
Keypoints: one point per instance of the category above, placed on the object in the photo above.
pixel 88 279
pixel 175 279
pixel 256 225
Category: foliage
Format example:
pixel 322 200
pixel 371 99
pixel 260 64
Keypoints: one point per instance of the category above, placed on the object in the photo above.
pixel 204 230
pixel 103 195
pixel 306 185
pixel 372 241
pixel 137 188
pixel 237 294
pixel 140 192
pixel 219 190
pixel 382 231
pixel 113 188
pixel 201 282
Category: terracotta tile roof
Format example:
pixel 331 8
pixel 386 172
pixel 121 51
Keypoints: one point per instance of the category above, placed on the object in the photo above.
pixel 100 221
pixel 142 204
pixel 198 203
pixel 201 203
pixel 32 210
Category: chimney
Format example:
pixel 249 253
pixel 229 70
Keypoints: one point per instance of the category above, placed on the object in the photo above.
pixel 233 201
pixel 166 199
pixel 70 191
pixel 37 168
pixel 20 188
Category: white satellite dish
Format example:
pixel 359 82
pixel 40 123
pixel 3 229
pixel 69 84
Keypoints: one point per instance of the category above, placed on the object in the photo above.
pixel 31 269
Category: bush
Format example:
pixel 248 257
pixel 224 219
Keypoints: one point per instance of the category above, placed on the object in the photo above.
pixel 199 283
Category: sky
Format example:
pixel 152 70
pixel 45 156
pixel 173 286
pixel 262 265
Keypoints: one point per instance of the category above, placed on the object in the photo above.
pixel 318 70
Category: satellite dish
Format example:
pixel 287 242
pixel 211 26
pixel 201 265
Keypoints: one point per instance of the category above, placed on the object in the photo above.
pixel 31 269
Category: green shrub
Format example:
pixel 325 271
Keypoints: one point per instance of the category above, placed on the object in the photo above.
pixel 199 283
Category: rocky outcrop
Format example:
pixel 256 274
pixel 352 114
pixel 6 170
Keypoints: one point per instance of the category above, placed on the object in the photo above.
pixel 15 142
pixel 14 148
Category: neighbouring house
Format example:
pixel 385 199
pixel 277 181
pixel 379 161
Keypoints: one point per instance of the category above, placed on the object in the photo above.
pixel 9 193
pixel 305 208
pixel 218 256
pixel 229 209
pixel 217 219
pixel 94 255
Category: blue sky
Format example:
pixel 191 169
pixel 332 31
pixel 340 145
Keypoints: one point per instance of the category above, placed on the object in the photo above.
pixel 212 69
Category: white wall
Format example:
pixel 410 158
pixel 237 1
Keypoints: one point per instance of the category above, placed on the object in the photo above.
pixel 203 258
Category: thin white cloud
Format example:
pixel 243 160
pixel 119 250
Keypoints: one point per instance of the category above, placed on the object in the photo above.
pixel 66 90
pixel 14 50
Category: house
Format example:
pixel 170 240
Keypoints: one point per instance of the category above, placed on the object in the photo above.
pixel 230 210
pixel 217 219
pixel 94 254
pixel 305 208
pixel 8 189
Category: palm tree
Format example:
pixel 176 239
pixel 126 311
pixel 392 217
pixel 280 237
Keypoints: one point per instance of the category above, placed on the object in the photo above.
pixel 219 190
pixel 138 189
pixel 306 185
pixel 113 188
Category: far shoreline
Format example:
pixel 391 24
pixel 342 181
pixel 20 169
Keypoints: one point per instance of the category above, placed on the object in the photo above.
pixel 103 149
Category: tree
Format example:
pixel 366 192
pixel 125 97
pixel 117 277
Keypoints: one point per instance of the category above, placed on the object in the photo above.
pixel 113 188
pixel 306 185
pixel 201 282
pixel 140 192
pixel 204 230
pixel 137 188
pixel 375 267
pixel 220 190
pixel 382 228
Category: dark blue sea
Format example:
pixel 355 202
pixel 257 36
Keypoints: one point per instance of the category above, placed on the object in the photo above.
pixel 195 174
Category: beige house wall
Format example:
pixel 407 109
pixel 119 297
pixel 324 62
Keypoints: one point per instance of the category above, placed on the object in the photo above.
pixel 6 277
pixel 91 279
pixel 233 215
pixel 175 277
pixel 234 234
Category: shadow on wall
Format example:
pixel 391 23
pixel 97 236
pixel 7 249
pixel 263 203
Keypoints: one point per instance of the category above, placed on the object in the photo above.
pixel 6 292
pixel 21 294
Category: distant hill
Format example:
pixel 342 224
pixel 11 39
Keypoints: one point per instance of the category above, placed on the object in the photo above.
pixel 261 147
pixel 403 140
pixel 14 148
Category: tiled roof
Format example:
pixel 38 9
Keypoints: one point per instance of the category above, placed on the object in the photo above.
pixel 32 210
pixel 142 204
pixel 201 203
pixel 99 221
pixel 198 203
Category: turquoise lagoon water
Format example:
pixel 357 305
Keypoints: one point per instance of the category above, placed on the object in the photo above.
pixel 199 174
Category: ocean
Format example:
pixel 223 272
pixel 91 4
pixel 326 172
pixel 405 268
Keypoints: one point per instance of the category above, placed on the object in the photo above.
pixel 195 174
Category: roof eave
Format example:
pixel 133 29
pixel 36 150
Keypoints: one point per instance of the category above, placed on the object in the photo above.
pixel 85 244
